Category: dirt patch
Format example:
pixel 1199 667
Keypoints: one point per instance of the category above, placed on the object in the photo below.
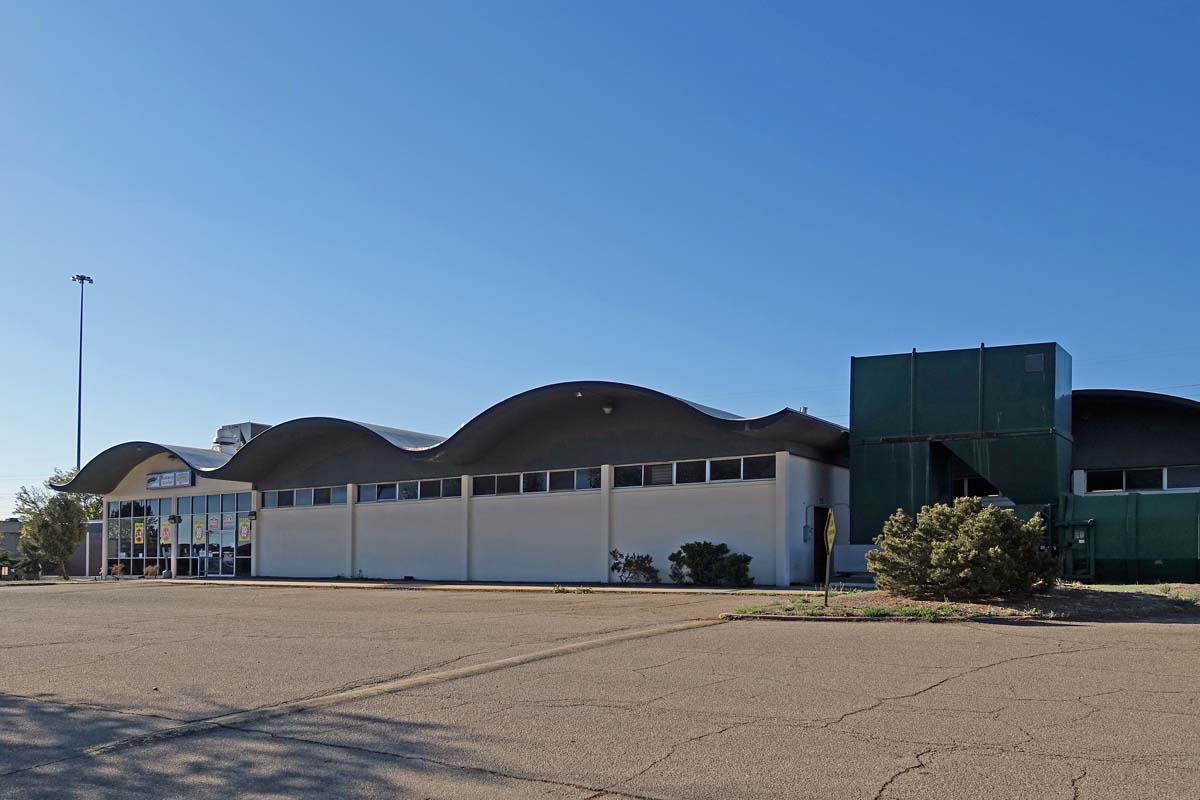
pixel 1088 603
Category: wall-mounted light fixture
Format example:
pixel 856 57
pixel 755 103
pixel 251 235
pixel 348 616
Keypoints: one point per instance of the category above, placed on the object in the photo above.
pixel 252 515
pixel 607 408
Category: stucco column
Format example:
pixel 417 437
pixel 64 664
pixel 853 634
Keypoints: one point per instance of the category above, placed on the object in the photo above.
pixel 351 501
pixel 606 484
pixel 783 560
pixel 174 540
pixel 104 543
pixel 255 496
pixel 465 510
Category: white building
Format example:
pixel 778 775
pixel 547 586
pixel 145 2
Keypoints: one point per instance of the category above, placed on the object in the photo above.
pixel 540 487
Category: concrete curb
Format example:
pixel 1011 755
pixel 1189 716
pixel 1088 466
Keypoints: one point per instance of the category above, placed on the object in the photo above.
pixel 469 587
pixel 831 618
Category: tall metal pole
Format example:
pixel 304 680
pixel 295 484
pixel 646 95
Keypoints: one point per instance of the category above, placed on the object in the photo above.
pixel 81 280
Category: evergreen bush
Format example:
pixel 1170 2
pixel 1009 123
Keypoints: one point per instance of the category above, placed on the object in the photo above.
pixel 965 550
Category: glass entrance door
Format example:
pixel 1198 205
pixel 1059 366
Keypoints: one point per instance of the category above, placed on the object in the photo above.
pixel 219 562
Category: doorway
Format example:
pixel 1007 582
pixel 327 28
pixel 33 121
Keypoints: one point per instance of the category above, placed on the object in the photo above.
pixel 820 517
pixel 1079 559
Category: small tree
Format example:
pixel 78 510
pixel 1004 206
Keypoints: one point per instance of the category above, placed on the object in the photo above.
pixel 633 566
pixel 33 508
pixel 31 499
pixel 710 564
pixel 964 550
pixel 53 533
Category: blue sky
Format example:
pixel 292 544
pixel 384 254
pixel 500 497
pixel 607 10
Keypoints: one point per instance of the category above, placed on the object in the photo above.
pixel 402 213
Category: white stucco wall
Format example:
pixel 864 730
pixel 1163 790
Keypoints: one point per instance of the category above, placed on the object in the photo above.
pixel 541 537
pixel 810 484
pixel 302 542
pixel 419 538
pixel 656 520
pixel 562 537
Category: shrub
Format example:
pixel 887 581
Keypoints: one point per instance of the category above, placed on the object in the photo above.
pixel 964 550
pixel 633 566
pixel 710 564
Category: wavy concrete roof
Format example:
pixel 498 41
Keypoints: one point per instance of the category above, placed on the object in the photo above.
pixel 1133 395
pixel 105 471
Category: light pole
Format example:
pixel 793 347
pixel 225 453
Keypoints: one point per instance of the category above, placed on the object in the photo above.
pixel 81 280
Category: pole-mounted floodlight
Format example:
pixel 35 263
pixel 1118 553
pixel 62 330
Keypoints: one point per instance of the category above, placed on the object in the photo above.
pixel 81 280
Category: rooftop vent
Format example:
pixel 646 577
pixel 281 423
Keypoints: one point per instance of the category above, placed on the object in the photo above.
pixel 231 438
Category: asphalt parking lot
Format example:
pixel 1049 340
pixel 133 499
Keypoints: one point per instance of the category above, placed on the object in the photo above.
pixel 148 689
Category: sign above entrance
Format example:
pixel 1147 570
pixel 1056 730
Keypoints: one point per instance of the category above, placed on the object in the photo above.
pixel 169 480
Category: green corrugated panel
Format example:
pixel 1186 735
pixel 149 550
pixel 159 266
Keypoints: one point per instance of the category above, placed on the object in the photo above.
pixel 879 396
pixel 884 477
pixel 1027 469
pixel 1017 397
pixel 947 392
pixel 1166 537
pixel 1142 538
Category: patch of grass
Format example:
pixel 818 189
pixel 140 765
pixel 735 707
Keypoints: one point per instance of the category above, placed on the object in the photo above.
pixel 560 589
pixel 875 611
pixel 583 590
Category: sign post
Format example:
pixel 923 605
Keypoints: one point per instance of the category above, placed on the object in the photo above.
pixel 830 535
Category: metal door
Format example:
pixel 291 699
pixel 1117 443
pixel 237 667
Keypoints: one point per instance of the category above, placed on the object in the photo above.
pixel 1079 553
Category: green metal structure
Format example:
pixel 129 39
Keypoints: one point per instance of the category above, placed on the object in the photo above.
pixel 928 427
pixel 922 424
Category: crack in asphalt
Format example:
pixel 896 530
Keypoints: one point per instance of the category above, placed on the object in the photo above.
pixel 920 757
pixel 611 788
pixel 495 773
pixel 232 720
pixel 1075 781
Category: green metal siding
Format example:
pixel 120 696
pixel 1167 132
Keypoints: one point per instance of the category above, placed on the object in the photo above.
pixel 1142 538
pixel 1005 412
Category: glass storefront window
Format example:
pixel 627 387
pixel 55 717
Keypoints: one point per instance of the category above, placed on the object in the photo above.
pixel 135 542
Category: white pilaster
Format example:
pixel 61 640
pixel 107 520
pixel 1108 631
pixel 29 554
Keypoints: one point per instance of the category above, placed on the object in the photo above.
pixel 466 526
pixel 104 544
pixel 174 540
pixel 255 498
pixel 606 484
pixel 782 555
pixel 351 501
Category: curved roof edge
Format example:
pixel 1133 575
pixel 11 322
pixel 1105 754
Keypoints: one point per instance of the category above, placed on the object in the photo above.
pixel 1134 394
pixel 725 419
pixel 102 473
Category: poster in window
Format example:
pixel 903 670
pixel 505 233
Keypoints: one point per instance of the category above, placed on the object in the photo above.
pixel 139 533
pixel 214 522
pixel 227 521
pixel 198 532
pixel 166 533
pixel 243 529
